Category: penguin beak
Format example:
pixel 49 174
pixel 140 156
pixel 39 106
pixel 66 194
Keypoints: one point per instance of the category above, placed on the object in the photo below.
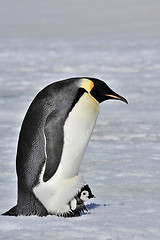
pixel 92 196
pixel 115 96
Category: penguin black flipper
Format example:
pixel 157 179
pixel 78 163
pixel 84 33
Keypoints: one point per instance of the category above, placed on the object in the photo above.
pixel 54 144
pixel 54 136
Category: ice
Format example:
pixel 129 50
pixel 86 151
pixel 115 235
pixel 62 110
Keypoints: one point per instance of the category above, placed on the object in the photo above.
pixel 122 161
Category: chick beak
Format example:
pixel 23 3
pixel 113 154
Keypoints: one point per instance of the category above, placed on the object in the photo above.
pixel 92 196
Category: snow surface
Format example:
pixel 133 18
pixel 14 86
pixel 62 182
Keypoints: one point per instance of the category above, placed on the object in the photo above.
pixel 122 161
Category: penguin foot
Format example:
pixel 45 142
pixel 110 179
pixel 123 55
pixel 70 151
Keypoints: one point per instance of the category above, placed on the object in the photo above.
pixel 75 213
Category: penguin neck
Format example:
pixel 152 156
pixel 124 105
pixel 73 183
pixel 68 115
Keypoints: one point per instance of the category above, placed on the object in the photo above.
pixel 78 128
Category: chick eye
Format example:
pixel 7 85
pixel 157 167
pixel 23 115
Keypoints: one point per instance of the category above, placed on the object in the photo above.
pixel 84 193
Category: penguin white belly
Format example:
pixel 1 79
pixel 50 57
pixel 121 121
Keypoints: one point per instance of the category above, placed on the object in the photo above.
pixel 77 131
pixel 56 193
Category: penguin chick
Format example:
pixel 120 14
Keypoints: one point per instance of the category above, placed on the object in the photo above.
pixel 85 193
pixel 77 204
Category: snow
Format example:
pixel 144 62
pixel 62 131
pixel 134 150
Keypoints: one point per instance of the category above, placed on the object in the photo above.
pixel 122 163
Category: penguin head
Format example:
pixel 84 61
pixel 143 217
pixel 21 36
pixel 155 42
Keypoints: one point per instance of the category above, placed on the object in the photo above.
pixel 99 90
pixel 86 193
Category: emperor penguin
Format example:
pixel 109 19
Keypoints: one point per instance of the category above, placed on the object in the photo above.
pixel 77 204
pixel 53 138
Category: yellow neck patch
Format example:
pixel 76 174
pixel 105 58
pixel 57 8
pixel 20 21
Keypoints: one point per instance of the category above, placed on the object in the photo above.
pixel 86 84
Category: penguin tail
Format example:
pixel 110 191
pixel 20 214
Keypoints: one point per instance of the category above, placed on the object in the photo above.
pixel 12 212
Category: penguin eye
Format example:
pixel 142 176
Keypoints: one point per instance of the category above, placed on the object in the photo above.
pixel 84 193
